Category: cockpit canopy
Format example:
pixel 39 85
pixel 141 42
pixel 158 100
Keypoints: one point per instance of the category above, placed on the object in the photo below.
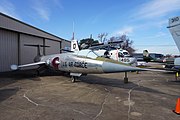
pixel 124 53
pixel 87 53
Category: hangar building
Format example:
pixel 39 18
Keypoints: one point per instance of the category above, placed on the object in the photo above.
pixel 14 34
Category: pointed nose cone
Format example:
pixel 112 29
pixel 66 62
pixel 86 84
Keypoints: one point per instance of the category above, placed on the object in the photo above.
pixel 109 67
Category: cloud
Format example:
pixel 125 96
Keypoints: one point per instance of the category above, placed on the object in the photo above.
pixel 150 20
pixel 125 30
pixel 44 8
pixel 156 36
pixel 162 23
pixel 95 19
pixel 8 8
pixel 58 3
pixel 42 12
pixel 157 8
pixel 153 15
pixel 159 49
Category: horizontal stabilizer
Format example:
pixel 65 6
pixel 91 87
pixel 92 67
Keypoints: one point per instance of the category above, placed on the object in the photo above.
pixel 67 50
pixel 109 43
pixel 155 70
pixel 36 45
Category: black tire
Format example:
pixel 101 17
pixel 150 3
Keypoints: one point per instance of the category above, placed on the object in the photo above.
pixel 73 79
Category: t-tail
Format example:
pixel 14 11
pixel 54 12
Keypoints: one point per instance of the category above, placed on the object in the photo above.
pixel 146 56
pixel 39 54
pixel 74 45
pixel 174 28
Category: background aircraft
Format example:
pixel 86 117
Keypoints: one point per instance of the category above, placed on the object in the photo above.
pixel 109 51
pixel 152 57
pixel 174 28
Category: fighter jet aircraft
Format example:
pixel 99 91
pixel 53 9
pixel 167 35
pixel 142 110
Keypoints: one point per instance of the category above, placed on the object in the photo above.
pixel 79 62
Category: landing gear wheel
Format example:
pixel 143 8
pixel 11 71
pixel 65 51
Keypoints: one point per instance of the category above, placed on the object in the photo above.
pixel 38 72
pixel 125 78
pixel 73 79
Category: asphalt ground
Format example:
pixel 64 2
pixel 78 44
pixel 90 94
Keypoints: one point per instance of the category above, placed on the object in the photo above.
pixel 52 96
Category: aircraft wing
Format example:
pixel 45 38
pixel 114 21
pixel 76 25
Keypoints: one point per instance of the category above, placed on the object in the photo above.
pixel 15 67
pixel 156 70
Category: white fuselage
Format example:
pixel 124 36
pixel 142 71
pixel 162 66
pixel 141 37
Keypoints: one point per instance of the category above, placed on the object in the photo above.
pixel 80 62
pixel 118 55
pixel 85 61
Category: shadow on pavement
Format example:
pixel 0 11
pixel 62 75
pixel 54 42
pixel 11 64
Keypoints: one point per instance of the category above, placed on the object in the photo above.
pixel 7 92
pixel 119 83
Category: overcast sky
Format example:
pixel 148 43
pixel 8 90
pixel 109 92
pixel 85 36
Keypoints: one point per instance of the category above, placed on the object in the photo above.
pixel 144 21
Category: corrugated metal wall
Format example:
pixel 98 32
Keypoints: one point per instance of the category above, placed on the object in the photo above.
pixel 8 49
pixel 27 53
pixel 65 44
pixel 14 34
pixel 54 48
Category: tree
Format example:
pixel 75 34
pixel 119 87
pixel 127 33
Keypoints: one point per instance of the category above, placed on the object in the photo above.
pixel 125 43
pixel 102 37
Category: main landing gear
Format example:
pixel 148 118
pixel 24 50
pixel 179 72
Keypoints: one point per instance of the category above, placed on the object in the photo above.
pixel 125 78
pixel 74 76
pixel 73 79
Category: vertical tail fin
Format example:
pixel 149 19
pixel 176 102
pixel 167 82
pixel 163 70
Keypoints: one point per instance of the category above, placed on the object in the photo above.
pixel 146 56
pixel 174 28
pixel 74 45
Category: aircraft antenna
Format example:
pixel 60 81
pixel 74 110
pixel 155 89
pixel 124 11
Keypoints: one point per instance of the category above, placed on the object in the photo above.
pixel 91 36
pixel 73 31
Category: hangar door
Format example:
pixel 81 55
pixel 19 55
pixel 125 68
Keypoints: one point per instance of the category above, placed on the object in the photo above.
pixel 66 45
pixel 28 53
pixel 54 47
pixel 8 49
